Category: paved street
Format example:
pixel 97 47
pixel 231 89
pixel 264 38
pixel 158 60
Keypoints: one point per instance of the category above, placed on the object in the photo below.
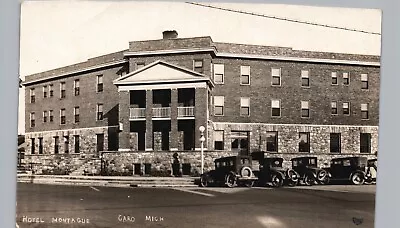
pixel 106 207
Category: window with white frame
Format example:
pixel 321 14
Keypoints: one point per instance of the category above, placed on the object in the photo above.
pixel 305 80
pixel 364 81
pixel 51 116
pixel 364 111
pixel 219 105
pixel 272 141
pixel 244 106
pixel 100 83
pixel 198 65
pixel 76 114
pixel 51 91
pixel 45 91
pixel 334 78
pixel 346 78
pixel 346 108
pixel 276 76
pixel 62 90
pixel 219 73
pixel 32 94
pixel 99 111
pixel 334 110
pixel 218 140
pixel 304 142
pixel 45 116
pixel 32 119
pixel 76 87
pixel 245 75
pixel 62 116
pixel 276 108
pixel 305 109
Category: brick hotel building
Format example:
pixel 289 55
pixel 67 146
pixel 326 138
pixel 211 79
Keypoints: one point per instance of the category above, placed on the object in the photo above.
pixel 135 108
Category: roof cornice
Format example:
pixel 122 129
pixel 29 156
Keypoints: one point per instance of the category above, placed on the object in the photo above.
pixel 95 67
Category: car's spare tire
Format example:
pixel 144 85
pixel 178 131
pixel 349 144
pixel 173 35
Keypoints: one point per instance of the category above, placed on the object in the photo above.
pixel 292 175
pixel 321 175
pixel 246 172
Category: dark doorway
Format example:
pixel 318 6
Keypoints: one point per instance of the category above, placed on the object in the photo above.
pixel 140 128
pixel 187 127
pixel 163 127
pixel 100 142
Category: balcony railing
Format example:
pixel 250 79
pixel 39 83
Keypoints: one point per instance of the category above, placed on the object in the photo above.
pixel 164 112
pixel 137 113
pixel 186 111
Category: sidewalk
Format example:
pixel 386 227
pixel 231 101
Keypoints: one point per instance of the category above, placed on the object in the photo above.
pixel 112 181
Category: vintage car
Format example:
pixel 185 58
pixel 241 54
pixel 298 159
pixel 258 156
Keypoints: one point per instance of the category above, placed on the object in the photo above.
pixel 271 171
pixel 352 169
pixel 309 172
pixel 371 170
pixel 230 171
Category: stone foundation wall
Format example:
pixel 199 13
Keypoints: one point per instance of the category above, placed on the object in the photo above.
pixel 87 140
pixel 288 136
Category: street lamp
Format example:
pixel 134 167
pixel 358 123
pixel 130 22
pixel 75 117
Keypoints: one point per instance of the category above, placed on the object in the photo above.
pixel 202 139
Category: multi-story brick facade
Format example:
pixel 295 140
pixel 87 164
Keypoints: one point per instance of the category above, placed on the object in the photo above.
pixel 146 103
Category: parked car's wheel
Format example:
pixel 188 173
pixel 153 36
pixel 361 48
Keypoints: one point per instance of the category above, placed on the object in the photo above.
pixel 309 180
pixel 292 175
pixel 357 178
pixel 204 180
pixel 249 183
pixel 277 180
pixel 231 180
pixel 292 183
pixel 322 175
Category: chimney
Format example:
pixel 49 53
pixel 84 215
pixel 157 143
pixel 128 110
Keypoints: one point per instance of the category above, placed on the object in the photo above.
pixel 171 34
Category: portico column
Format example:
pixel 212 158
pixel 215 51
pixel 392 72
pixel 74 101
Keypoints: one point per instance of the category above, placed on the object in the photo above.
pixel 149 120
pixel 200 114
pixel 174 137
pixel 124 102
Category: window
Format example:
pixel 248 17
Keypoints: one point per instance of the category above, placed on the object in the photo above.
pixel 219 105
pixel 51 117
pixel 276 107
pixel 198 65
pixel 62 116
pixel 276 76
pixel 334 110
pixel 218 140
pixel 334 78
pixel 32 94
pixel 40 145
pixel 32 146
pixel 44 116
pixel 335 142
pixel 245 75
pixel 56 144
pixel 51 91
pixel 219 73
pixel 66 144
pixel 272 141
pixel 346 162
pixel 99 83
pixel 62 89
pixel 304 142
pixel 99 142
pixel 244 106
pixel 45 91
pixel 76 114
pixel 364 111
pixel 305 110
pixel 99 111
pixel 76 144
pixel 346 108
pixel 346 79
pixel 76 87
pixel 139 65
pixel 32 118
pixel 240 142
pixel 305 80
pixel 365 143
pixel 364 81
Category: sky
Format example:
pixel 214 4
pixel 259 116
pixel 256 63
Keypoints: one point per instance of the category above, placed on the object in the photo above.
pixel 58 33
